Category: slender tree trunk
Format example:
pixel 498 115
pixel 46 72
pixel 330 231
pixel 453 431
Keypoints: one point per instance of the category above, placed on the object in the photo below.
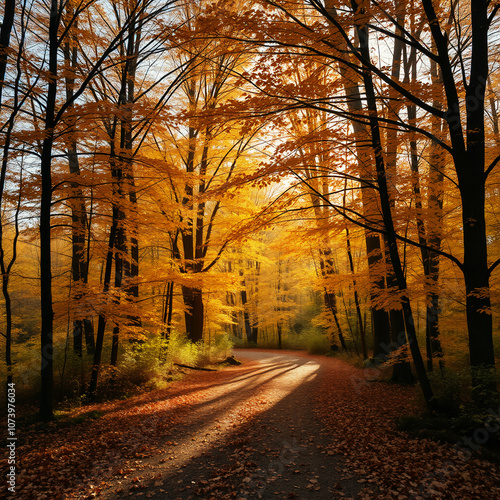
pixel 119 251
pixel 327 269
pixel 354 284
pixel 255 322
pixel 101 326
pixel 5 268
pixel 401 369
pixel 47 313
pixel 79 267
pixel 88 329
pixel 388 220
pixel 374 250
pixel 167 311
pixel 246 317
pixel 194 315
pixel 356 297
pixel 5 32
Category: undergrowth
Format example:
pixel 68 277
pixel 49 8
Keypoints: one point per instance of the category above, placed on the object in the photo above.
pixel 141 366
pixel 313 341
pixel 457 417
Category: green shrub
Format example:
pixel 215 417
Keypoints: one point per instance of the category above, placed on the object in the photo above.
pixel 449 388
pixel 314 341
pixel 215 350
pixel 181 350
pixel 140 363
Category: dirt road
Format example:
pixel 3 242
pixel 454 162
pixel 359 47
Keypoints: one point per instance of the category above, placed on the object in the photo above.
pixel 251 435
pixel 281 425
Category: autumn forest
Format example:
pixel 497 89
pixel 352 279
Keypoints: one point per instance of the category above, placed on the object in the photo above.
pixel 181 177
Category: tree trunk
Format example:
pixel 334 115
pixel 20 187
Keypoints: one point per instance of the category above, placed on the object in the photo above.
pixel 388 220
pixel 374 252
pixel 469 162
pixel 88 329
pixel 101 326
pixel 167 310
pixel 401 369
pixel 194 315
pixel 380 317
pixel 354 284
pixel 5 32
pixel 47 313
pixel 246 317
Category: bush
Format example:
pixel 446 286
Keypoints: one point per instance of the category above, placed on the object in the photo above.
pixel 181 350
pixel 140 366
pixel 216 350
pixel 314 341
pixel 448 387
pixel 141 363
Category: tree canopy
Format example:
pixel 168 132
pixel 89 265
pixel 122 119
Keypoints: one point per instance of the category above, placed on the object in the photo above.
pixel 268 172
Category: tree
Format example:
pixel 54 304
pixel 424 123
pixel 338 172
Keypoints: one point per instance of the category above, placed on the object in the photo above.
pixel 54 113
pixel 355 28
pixel 209 154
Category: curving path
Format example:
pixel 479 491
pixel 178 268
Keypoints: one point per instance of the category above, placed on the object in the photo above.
pixel 252 434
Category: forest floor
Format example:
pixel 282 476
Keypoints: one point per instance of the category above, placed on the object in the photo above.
pixel 284 424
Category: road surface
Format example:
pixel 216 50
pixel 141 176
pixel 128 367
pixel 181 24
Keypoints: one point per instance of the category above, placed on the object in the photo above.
pixel 251 435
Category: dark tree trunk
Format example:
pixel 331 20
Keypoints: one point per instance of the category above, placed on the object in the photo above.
pixel 101 325
pixel 167 310
pixel 428 236
pixel 327 269
pixel 388 221
pixel 5 32
pixel 255 334
pixel 469 161
pixel 114 345
pixel 354 284
pixel 78 337
pixel 88 328
pixel 120 251
pixel 194 315
pixel 246 316
pixel 47 313
pixel 380 317
pixel 255 319
pixel 79 266
pixel 5 268
pixel 375 256
pixel 401 369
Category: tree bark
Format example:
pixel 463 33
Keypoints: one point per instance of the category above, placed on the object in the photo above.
pixel 387 216
pixel 47 313
pixel 101 326
pixel 469 161
pixel 194 314
pixel 374 251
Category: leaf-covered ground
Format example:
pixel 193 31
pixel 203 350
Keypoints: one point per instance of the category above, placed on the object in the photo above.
pixel 392 464
pixel 282 425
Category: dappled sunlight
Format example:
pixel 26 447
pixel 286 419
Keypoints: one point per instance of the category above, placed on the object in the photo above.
pixel 274 378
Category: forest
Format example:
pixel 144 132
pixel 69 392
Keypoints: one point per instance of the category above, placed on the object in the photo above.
pixel 179 177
